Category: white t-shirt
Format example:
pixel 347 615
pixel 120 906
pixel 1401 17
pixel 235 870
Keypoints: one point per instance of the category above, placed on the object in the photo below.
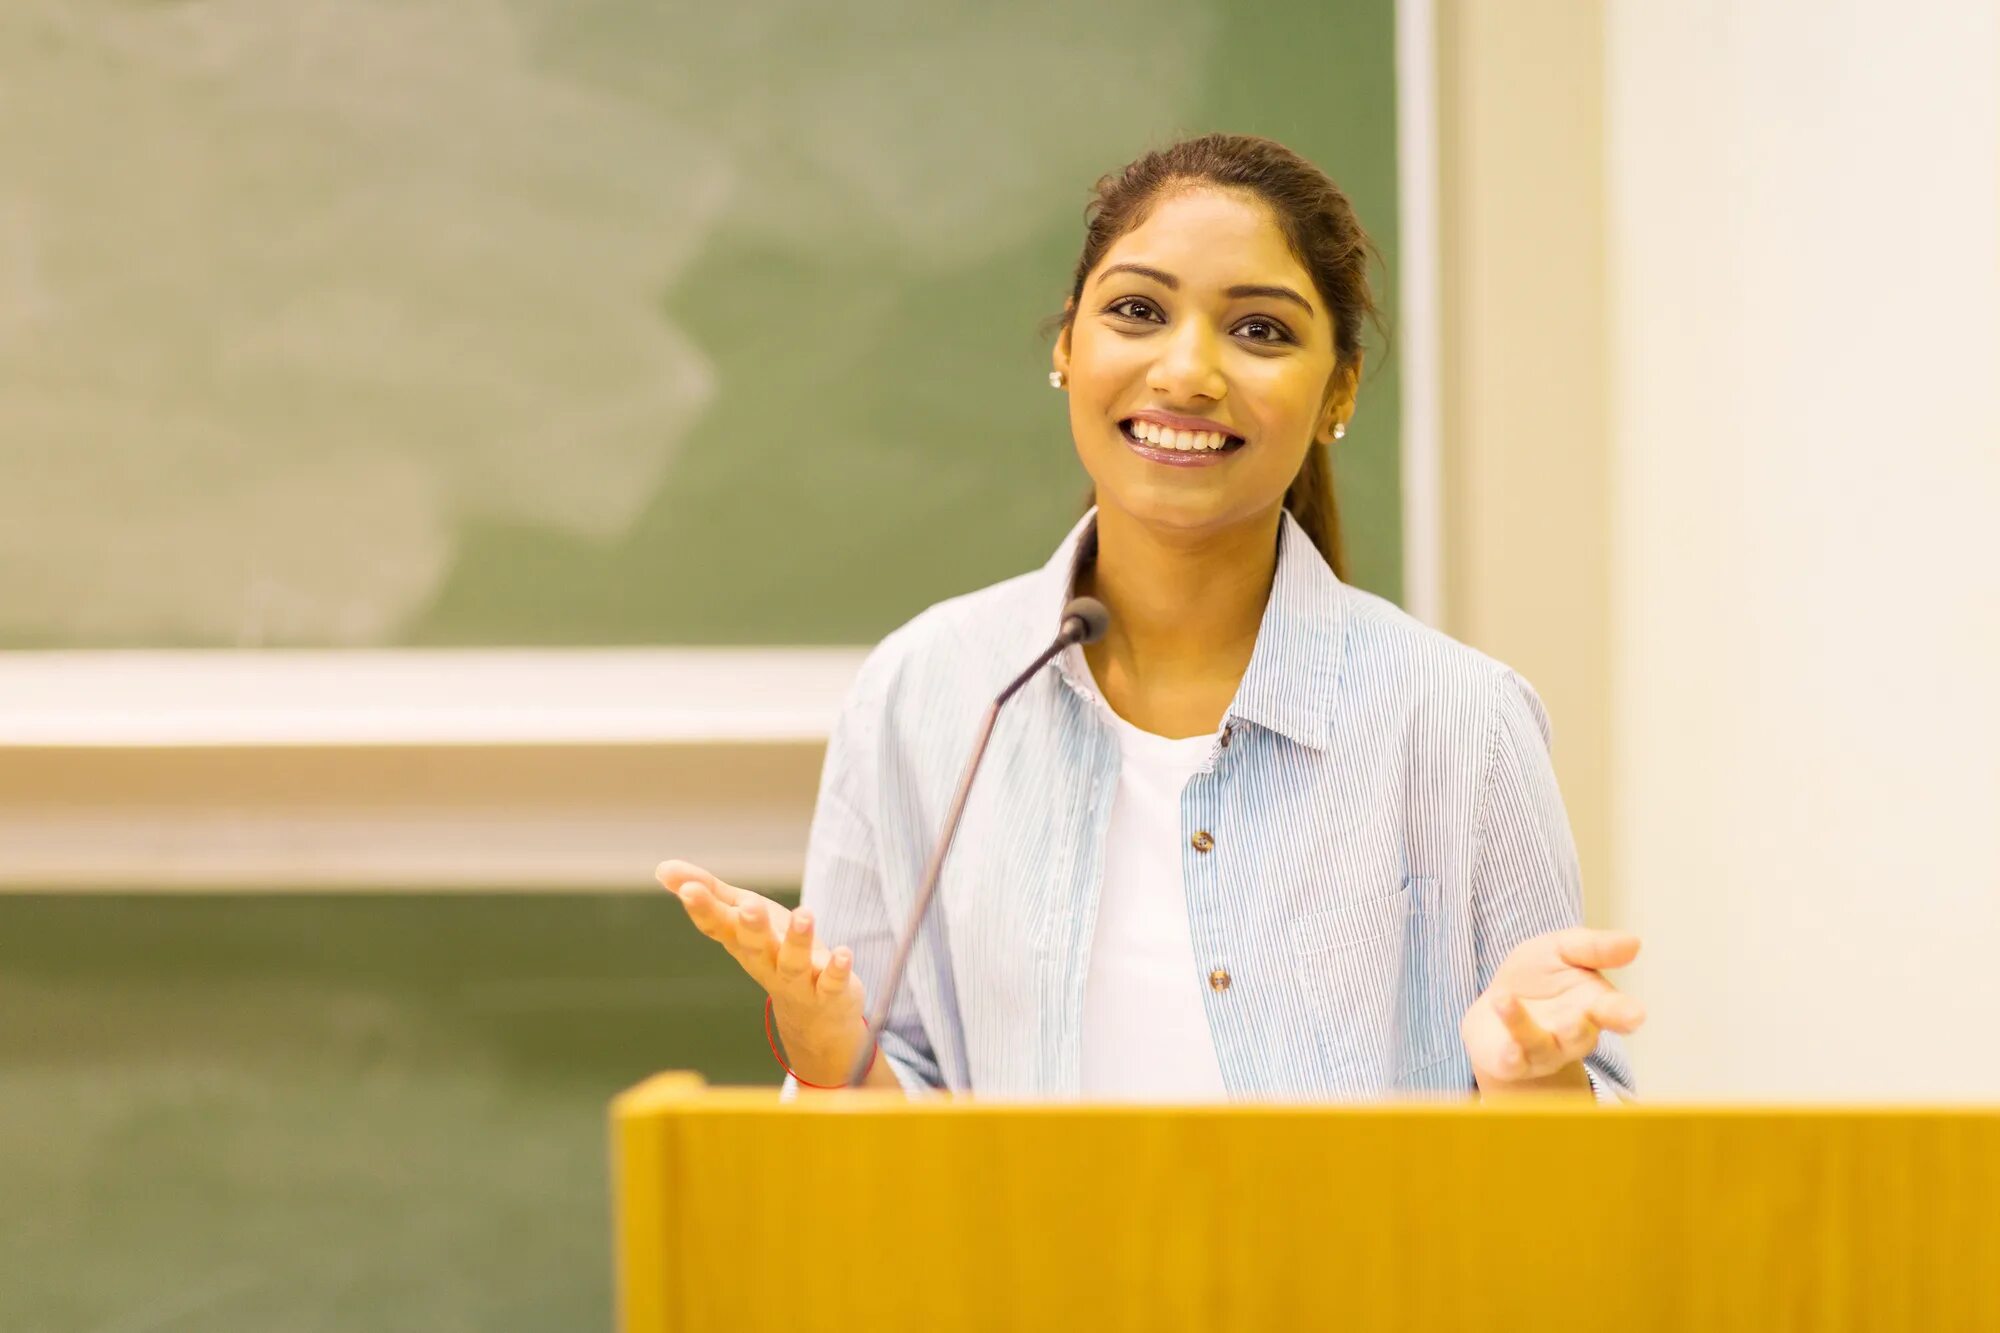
pixel 1145 1028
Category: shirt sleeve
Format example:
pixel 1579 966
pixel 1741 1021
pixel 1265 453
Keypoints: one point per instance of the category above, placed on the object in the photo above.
pixel 1525 880
pixel 843 885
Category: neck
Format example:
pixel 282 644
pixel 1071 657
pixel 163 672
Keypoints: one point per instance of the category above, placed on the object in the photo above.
pixel 1184 609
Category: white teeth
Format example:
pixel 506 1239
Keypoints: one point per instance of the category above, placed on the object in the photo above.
pixel 1184 440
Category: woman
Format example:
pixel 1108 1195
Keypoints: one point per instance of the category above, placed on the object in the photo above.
pixel 1269 836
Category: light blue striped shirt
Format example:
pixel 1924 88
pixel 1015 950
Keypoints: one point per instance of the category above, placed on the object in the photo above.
pixel 1382 826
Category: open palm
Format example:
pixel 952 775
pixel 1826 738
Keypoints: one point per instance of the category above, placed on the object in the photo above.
pixel 817 1001
pixel 1547 1002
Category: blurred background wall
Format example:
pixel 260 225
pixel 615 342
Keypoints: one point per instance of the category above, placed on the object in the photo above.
pixel 1722 403
pixel 1804 255
pixel 1525 329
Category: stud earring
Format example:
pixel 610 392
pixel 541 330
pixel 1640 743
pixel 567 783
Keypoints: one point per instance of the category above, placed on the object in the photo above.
pixel 1057 379
pixel 1340 430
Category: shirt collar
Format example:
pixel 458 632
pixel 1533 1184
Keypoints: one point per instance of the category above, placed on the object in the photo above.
pixel 1291 682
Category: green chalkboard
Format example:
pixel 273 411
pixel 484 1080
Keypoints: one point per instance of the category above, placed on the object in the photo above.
pixel 302 1112
pixel 589 322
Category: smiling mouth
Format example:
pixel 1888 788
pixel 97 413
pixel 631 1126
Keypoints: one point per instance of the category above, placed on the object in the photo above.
pixel 1151 436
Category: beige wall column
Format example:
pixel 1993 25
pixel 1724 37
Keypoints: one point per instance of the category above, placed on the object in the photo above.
pixel 1805 250
pixel 1526 459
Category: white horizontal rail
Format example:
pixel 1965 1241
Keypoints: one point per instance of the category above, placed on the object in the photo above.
pixel 410 847
pixel 423 696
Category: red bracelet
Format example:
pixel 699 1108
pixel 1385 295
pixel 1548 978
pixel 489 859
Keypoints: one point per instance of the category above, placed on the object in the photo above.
pixel 828 1087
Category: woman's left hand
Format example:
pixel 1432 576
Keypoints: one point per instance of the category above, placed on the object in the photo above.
pixel 1547 1003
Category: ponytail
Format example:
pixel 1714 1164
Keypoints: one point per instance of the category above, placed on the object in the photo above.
pixel 1312 503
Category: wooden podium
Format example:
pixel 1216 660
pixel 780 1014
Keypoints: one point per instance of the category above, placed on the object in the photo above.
pixel 737 1212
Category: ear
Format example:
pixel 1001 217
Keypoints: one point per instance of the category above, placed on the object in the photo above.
pixel 1339 406
pixel 1059 355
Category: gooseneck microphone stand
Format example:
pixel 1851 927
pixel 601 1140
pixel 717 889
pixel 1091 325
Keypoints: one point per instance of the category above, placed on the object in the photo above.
pixel 1084 620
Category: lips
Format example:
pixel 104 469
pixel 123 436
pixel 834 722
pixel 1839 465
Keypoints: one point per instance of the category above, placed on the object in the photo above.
pixel 1178 454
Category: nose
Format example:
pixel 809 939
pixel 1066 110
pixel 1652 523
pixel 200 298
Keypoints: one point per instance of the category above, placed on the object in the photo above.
pixel 1188 366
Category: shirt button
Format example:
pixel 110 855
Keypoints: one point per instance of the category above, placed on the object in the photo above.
pixel 1218 979
pixel 1202 842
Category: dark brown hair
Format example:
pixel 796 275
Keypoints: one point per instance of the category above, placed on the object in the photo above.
pixel 1319 225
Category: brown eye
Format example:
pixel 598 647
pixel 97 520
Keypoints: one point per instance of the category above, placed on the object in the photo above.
pixel 1130 307
pixel 1272 331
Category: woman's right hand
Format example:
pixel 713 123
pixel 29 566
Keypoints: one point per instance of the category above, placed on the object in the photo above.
pixel 817 1000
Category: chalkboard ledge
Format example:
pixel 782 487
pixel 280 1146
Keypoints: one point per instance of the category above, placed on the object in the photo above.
pixel 427 697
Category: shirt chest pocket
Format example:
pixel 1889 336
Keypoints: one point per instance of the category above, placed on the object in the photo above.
pixel 1370 981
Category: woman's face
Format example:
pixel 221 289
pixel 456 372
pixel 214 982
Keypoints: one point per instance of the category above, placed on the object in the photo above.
pixel 1200 321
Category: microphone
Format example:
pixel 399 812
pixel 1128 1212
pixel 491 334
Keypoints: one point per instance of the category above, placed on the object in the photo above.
pixel 1084 620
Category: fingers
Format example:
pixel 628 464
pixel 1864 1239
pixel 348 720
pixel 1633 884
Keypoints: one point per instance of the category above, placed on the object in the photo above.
pixel 747 931
pixel 1580 946
pixel 1532 1046
pixel 777 947
pixel 706 913
pixel 676 875
pixel 837 977
pixel 1576 1039
pixel 795 953
pixel 746 923
pixel 756 937
pixel 1617 1011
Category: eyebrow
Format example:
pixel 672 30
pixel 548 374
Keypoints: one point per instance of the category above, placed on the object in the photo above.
pixel 1238 292
pixel 1279 293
